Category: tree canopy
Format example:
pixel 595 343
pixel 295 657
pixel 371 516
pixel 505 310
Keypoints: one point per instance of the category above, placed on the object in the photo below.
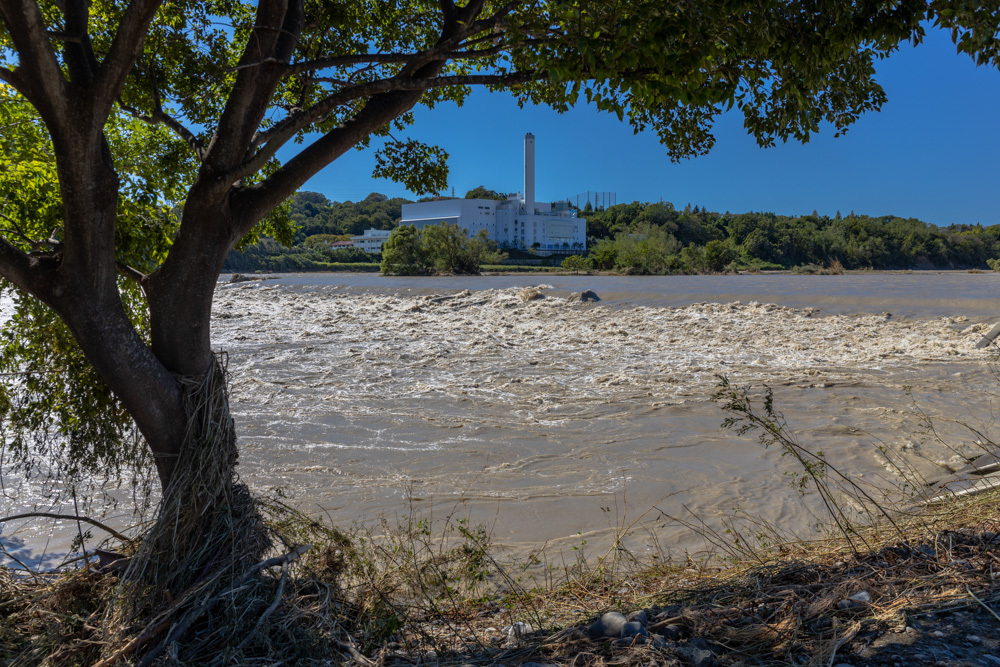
pixel 442 248
pixel 481 192
pixel 144 140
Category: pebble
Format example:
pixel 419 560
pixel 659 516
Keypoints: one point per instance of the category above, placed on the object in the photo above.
pixel 609 625
pixel 671 632
pixel 856 601
pixel 633 628
pixel 516 631
pixel 973 639
pixel 938 634
pixel 696 657
pixel 990 660
pixel 862 596
pixel 639 617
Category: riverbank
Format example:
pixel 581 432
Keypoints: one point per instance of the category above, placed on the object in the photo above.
pixel 919 590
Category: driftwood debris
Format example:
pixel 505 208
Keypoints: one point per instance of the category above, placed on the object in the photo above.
pixel 66 517
pixel 979 476
pixel 989 337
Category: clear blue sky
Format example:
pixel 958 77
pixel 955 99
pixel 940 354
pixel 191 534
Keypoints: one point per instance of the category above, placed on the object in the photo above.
pixel 933 152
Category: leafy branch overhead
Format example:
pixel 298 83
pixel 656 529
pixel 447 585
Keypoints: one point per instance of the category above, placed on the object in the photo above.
pixel 421 168
pixel 143 140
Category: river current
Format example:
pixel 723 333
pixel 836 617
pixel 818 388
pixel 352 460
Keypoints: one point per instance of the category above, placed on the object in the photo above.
pixel 554 420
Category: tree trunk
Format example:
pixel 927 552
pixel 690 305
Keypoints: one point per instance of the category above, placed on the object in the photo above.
pixel 208 531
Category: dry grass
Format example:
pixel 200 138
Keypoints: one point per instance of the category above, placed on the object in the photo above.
pixel 401 595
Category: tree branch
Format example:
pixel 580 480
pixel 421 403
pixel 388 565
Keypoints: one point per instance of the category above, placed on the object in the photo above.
pixel 345 61
pixel 26 272
pixel 8 77
pixel 161 117
pixel 42 80
pixel 452 37
pixel 17 231
pixel 449 14
pixel 70 517
pixel 124 52
pixel 416 58
pixel 282 132
pixel 472 9
pixel 130 272
pixel 78 51
pixel 399 57
pixel 273 38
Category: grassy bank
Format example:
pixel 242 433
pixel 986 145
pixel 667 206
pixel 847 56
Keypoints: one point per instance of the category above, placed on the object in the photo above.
pixel 418 593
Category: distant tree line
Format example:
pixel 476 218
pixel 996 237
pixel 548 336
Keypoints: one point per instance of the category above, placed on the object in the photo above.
pixel 653 238
pixel 657 238
pixel 319 224
pixel 269 255
pixel 314 214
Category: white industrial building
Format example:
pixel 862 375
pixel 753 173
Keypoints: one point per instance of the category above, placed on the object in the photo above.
pixel 371 240
pixel 517 222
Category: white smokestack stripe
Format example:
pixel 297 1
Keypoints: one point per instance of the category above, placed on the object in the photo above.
pixel 529 173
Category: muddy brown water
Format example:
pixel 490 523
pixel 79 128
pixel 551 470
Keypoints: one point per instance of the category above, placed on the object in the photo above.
pixel 554 421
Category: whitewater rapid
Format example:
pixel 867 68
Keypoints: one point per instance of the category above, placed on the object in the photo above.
pixel 534 414
pixel 554 420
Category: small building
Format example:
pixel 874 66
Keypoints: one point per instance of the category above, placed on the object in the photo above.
pixel 517 222
pixel 371 240
pixel 342 244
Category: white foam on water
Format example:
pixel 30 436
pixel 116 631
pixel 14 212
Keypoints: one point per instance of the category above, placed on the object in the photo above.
pixel 536 415
pixel 557 395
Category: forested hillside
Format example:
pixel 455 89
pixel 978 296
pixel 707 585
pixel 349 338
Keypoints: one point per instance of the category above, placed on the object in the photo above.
pixel 658 238
pixel 320 223
pixel 315 214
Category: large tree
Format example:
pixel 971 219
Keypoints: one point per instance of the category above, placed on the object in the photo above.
pixel 236 82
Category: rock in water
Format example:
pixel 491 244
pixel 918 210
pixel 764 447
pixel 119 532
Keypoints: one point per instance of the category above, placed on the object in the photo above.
pixel 530 294
pixel 589 295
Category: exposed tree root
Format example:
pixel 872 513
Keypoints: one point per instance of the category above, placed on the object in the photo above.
pixel 207 536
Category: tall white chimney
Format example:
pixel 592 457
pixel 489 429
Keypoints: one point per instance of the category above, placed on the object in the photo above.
pixel 529 173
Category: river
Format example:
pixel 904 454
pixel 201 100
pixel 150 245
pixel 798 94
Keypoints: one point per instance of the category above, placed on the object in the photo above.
pixel 364 395
pixel 554 420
